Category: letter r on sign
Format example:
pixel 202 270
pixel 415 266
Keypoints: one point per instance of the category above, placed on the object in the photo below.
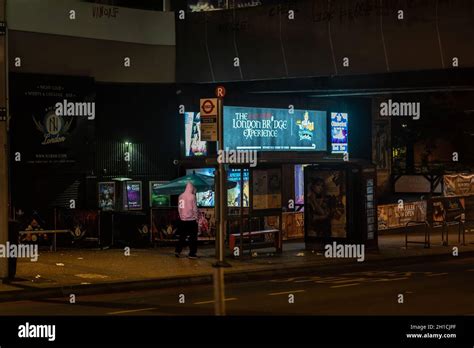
pixel 220 92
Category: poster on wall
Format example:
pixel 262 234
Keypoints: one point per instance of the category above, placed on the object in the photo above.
pixel 158 200
pixel 446 209
pixel 267 129
pixel 325 204
pixel 193 144
pixel 54 117
pixel 133 195
pixel 458 185
pixel 106 195
pixel 397 216
pixel 266 189
pixel 339 132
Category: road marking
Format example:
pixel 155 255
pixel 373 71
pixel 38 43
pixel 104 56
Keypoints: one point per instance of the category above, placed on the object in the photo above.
pixel 207 302
pixel 342 286
pixel 285 292
pixel 389 279
pixel 349 280
pixel 437 274
pixel 133 310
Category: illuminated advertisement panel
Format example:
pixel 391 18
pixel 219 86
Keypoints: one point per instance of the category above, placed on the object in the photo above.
pixel 156 199
pixel 339 141
pixel 266 129
pixel 133 195
pixel 192 135
pixel 106 195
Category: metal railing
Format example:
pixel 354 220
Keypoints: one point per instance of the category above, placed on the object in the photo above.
pixel 427 241
pixel 445 225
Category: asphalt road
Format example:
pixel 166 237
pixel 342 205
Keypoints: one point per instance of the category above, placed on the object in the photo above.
pixel 442 288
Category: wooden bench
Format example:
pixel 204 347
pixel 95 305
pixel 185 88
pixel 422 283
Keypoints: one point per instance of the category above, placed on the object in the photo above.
pixel 54 232
pixel 234 238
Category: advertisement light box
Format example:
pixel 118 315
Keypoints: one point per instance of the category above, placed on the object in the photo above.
pixel 265 129
pixel 193 144
pixel 339 127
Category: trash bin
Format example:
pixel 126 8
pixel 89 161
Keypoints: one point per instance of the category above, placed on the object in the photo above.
pixel 13 237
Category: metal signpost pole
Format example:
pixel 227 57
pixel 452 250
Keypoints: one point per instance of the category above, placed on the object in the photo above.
pixel 4 159
pixel 222 194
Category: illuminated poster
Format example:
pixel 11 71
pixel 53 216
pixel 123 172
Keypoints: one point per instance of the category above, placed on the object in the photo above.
pixel 339 128
pixel 325 204
pixel 133 195
pixel 265 129
pixel 158 200
pixel 106 195
pixel 233 194
pixel 204 199
pixel 192 135
pixel 299 183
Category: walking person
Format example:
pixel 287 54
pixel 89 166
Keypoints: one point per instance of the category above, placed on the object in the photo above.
pixel 188 227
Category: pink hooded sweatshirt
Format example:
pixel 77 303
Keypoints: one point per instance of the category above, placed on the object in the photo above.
pixel 187 206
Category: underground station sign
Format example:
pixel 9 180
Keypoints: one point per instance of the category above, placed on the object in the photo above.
pixel 209 109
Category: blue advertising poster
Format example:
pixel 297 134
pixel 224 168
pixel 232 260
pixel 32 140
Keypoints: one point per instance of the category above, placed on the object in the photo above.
pixel 339 139
pixel 265 129
pixel 133 198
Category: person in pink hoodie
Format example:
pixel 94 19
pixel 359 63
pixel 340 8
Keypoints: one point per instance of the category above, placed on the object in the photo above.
pixel 188 215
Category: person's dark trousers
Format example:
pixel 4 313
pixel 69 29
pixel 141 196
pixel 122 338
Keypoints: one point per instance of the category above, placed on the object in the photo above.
pixel 188 228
